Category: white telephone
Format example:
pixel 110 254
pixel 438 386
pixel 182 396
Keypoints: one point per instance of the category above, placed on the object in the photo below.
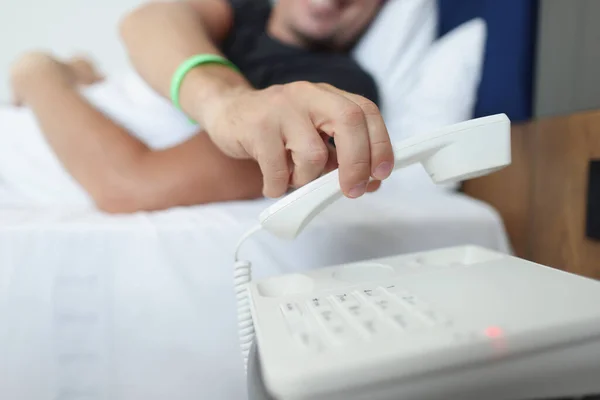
pixel 461 322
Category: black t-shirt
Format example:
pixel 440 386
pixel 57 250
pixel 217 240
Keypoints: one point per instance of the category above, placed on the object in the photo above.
pixel 265 61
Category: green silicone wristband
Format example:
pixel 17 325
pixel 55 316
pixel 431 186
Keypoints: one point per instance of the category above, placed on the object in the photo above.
pixel 187 66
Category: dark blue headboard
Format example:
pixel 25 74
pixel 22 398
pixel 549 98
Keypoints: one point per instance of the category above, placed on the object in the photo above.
pixel 507 81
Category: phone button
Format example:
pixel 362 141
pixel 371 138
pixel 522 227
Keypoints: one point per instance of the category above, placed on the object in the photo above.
pixel 356 310
pixel 372 326
pixel 336 327
pixel 309 341
pixel 392 310
pixel 404 320
pixel 319 304
pixel 341 332
pixel 373 293
pixel 383 305
pixel 322 309
pixel 346 301
pixel 423 310
pixel 343 299
pixel 293 316
pixel 291 311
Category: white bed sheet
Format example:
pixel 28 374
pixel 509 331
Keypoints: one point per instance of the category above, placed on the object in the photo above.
pixel 142 306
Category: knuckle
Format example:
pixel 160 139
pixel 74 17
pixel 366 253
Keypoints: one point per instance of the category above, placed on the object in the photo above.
pixel 299 86
pixel 353 116
pixel 359 165
pixel 279 174
pixel 277 96
pixel 359 169
pixel 383 144
pixel 370 108
pixel 278 179
pixel 325 85
pixel 275 169
pixel 315 156
pixel 356 167
pixel 275 90
pixel 261 122
pixel 382 150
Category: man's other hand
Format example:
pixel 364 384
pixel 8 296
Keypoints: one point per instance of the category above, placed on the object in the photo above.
pixel 282 128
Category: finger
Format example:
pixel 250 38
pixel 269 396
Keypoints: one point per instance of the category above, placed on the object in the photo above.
pixel 309 153
pixel 273 161
pixel 373 186
pixel 344 120
pixel 382 154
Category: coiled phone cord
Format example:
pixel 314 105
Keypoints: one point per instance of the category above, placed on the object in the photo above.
pixel 242 275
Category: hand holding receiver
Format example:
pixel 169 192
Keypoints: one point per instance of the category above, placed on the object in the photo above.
pixel 283 128
pixel 461 151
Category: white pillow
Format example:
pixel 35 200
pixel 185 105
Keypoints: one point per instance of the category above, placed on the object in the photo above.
pixel 442 90
pixel 396 41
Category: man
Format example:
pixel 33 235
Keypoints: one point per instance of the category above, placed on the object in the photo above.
pixel 265 127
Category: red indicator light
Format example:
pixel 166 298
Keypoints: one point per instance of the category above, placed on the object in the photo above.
pixel 494 332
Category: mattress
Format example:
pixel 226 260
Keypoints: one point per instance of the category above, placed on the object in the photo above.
pixel 96 306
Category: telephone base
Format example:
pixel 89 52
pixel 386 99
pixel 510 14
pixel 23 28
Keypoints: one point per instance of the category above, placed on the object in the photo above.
pixel 255 383
pixel 258 391
pixel 457 323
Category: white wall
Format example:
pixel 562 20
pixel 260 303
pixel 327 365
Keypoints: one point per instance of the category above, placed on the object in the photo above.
pixel 64 27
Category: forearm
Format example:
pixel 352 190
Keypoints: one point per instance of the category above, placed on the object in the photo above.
pixel 196 172
pixel 93 149
pixel 123 175
pixel 160 36
pixel 118 171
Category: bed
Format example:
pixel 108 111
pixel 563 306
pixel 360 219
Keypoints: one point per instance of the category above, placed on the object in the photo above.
pixel 96 306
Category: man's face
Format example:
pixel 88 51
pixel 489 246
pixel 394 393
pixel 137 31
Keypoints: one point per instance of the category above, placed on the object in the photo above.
pixel 331 23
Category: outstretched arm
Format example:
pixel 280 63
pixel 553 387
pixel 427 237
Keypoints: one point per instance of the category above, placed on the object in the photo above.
pixel 118 171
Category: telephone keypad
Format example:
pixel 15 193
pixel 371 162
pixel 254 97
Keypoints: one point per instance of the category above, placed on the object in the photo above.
pixel 344 318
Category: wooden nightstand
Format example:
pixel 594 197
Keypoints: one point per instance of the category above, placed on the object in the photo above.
pixel 542 196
